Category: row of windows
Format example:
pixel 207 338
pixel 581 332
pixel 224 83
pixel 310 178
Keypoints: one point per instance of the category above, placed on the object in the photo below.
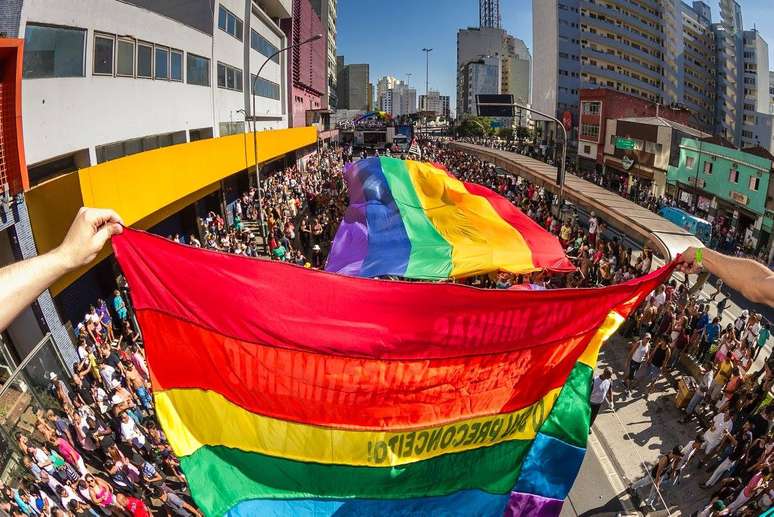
pixel 590 131
pixel 591 108
pixel 60 52
pixel 127 57
pixel 733 174
pixel 229 23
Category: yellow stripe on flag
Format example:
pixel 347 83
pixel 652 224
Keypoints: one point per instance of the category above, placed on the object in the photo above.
pixel 194 418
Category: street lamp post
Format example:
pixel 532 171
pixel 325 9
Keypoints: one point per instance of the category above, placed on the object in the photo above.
pixel 254 119
pixel 427 75
pixel 560 169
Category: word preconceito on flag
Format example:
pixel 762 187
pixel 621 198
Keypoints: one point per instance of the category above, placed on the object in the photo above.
pixel 416 220
pixel 349 396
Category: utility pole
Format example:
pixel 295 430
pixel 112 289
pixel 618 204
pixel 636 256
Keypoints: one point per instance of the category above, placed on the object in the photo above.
pixel 427 72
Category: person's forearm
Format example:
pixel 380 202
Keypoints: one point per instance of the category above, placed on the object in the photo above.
pixel 22 282
pixel 744 275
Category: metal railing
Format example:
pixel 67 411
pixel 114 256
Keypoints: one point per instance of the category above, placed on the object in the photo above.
pixel 23 395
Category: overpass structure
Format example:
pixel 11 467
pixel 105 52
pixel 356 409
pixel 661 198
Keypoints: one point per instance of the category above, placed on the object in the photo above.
pixel 665 238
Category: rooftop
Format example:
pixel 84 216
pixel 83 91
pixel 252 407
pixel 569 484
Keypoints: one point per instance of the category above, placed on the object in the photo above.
pixel 661 121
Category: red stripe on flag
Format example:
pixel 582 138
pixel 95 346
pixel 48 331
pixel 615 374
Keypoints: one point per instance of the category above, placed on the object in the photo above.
pixel 346 392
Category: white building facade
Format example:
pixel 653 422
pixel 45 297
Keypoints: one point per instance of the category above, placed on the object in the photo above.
pixel 145 74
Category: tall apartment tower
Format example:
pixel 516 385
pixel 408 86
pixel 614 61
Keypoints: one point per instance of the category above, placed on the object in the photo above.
pixel 326 10
pixel 616 44
pixel 729 40
pixel 696 65
pixel 666 51
pixel 488 52
pixel 489 14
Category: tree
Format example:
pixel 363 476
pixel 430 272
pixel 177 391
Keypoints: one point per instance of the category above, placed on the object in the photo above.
pixel 523 133
pixel 506 133
pixel 476 126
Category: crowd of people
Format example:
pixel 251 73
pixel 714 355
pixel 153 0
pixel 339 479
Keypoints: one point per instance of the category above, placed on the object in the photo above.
pixel 103 453
pixel 100 451
pixel 729 408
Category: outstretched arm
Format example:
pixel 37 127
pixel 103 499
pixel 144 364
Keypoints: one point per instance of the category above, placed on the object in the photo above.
pixel 754 280
pixel 22 282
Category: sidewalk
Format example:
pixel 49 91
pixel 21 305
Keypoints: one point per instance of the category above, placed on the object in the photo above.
pixel 653 428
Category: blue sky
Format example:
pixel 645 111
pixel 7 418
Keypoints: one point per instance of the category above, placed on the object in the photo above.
pixel 389 34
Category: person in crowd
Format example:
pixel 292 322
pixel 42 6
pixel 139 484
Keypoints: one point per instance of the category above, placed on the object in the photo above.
pixel 664 469
pixel 600 391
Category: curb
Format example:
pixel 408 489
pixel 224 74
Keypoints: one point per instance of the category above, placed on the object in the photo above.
pixel 601 447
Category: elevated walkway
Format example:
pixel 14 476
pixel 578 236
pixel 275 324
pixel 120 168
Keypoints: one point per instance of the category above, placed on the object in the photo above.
pixel 665 238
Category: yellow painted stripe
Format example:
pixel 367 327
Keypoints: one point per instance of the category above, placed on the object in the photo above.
pixel 476 232
pixel 194 418
pixel 609 326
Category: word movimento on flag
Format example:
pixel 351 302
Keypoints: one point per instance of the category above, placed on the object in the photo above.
pixel 416 220
pixel 350 396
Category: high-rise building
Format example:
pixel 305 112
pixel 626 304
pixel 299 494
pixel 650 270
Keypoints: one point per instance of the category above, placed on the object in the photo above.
pixel 665 51
pixel 771 92
pixel 489 13
pixel 326 10
pixel 431 103
pixel 756 120
pixel 352 85
pixel 697 86
pixel 370 96
pixel 445 106
pixel 403 99
pixel 307 73
pixel 484 43
pixel 481 76
pixel 383 85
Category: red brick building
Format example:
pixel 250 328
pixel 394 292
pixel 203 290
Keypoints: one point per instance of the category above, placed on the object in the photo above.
pixel 598 105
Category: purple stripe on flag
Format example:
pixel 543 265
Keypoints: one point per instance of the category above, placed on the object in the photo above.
pixel 350 245
pixel 533 505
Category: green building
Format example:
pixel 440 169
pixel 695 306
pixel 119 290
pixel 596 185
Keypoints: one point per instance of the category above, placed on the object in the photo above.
pixel 727 186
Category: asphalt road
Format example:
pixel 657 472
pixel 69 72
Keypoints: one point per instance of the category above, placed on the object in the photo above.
pixel 593 493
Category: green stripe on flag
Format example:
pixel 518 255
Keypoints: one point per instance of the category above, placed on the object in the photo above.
pixel 246 475
pixel 431 254
pixel 569 418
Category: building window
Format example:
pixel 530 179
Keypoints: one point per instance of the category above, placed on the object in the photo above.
pixel 197 70
pixel 733 176
pixel 689 162
pixel 229 23
pixel 708 168
pixel 176 65
pixel 125 58
pixel 591 108
pixel 263 46
pixel 590 131
pixel 229 77
pixel 53 51
pixel 162 63
pixel 586 149
pixel 266 88
pixel 755 182
pixel 144 60
pixel 103 54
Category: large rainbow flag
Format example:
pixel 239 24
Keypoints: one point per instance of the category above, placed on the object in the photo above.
pixel 286 391
pixel 416 220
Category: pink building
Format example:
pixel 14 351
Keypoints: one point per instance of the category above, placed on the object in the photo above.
pixel 306 70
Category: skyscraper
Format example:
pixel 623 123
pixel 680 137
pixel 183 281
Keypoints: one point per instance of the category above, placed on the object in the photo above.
pixel 326 10
pixel 352 86
pixel 476 49
pixel 665 51
pixel 489 13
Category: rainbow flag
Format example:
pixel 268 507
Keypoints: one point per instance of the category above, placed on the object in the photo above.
pixel 416 220
pixel 288 391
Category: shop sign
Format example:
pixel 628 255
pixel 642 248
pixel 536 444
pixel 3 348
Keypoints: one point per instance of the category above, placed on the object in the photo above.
pixel 627 162
pixel 686 197
pixel 738 197
pixel 626 144
pixel 703 203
